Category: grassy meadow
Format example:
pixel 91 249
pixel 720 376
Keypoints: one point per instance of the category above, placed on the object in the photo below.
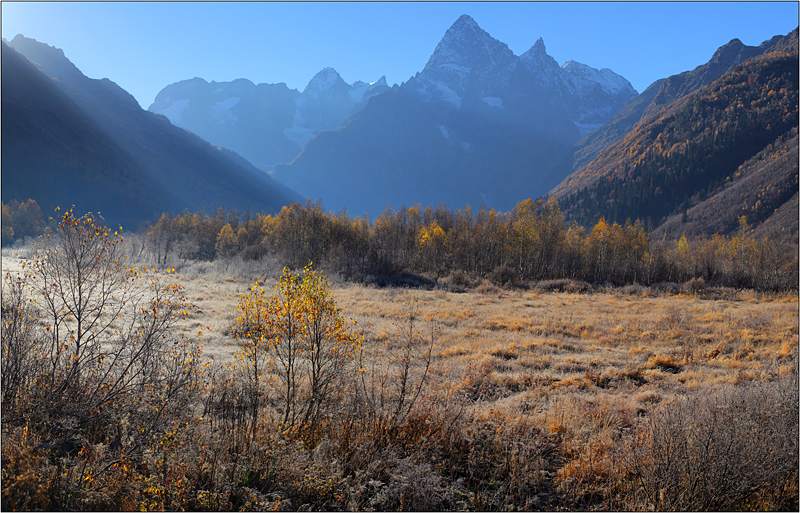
pixel 529 398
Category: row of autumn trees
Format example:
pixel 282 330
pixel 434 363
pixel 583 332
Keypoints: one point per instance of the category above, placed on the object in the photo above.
pixel 530 243
pixel 20 220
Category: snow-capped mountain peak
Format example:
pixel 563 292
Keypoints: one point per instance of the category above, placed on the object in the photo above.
pixel 363 90
pixel 325 80
pixel 467 61
pixel 380 82
pixel 609 81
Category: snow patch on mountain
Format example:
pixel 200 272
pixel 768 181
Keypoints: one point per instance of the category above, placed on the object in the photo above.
pixel 222 110
pixel 174 111
pixel 448 95
pixel 360 89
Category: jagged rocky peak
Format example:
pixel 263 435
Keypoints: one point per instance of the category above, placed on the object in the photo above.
pixel 538 49
pixel 364 90
pixel 537 62
pixel 325 80
pixel 466 60
pixel 609 81
pixel 464 44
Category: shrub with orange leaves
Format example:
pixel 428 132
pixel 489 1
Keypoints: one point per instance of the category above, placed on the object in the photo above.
pixel 297 334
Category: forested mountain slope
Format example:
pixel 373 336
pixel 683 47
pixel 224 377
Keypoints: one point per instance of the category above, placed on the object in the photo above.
pixel 691 150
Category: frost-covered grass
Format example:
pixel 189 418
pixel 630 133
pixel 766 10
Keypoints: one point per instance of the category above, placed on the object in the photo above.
pixel 535 399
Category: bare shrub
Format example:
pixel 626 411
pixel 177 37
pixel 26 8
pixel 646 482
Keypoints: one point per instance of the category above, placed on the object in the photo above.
pixel 694 285
pixel 502 276
pixel 667 287
pixel 96 372
pixel 734 449
pixel 633 290
pixel 416 487
pixel 563 285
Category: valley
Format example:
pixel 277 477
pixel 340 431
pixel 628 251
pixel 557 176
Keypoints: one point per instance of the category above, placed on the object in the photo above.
pixel 502 284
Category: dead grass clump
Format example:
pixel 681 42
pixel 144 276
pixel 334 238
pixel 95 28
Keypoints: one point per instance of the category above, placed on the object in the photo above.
pixel 534 362
pixel 506 353
pixel 629 375
pixel 455 350
pixel 673 319
pixel 578 382
pixel 489 288
pixel 570 366
pixel 647 396
pixel 664 363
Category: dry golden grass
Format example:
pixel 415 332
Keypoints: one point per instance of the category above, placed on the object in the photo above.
pixel 581 368
pixel 601 343
pixel 630 352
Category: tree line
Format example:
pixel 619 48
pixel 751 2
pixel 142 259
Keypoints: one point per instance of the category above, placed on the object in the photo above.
pixel 20 220
pixel 530 243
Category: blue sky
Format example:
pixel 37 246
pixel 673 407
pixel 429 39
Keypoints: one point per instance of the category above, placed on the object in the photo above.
pixel 145 46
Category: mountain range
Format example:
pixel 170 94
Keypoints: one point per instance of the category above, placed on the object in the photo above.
pixel 265 123
pixel 68 139
pixel 477 125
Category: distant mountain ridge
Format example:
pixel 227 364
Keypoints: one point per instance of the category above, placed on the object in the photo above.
pixel 663 92
pixel 70 139
pixel 265 123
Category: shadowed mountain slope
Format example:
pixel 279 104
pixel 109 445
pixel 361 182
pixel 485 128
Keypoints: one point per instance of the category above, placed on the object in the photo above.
pixel 70 139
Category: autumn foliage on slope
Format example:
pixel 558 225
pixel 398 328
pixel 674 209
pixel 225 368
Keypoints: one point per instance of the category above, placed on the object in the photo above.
pixel 688 152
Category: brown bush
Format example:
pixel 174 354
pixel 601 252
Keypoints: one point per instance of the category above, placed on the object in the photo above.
pixel 730 450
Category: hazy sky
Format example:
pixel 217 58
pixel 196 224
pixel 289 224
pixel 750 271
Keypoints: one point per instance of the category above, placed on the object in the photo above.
pixel 145 46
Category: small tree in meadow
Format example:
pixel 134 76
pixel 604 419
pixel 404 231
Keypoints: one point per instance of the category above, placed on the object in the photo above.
pixel 298 335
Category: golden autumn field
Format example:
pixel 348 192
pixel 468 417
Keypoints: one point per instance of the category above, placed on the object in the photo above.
pixel 533 399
